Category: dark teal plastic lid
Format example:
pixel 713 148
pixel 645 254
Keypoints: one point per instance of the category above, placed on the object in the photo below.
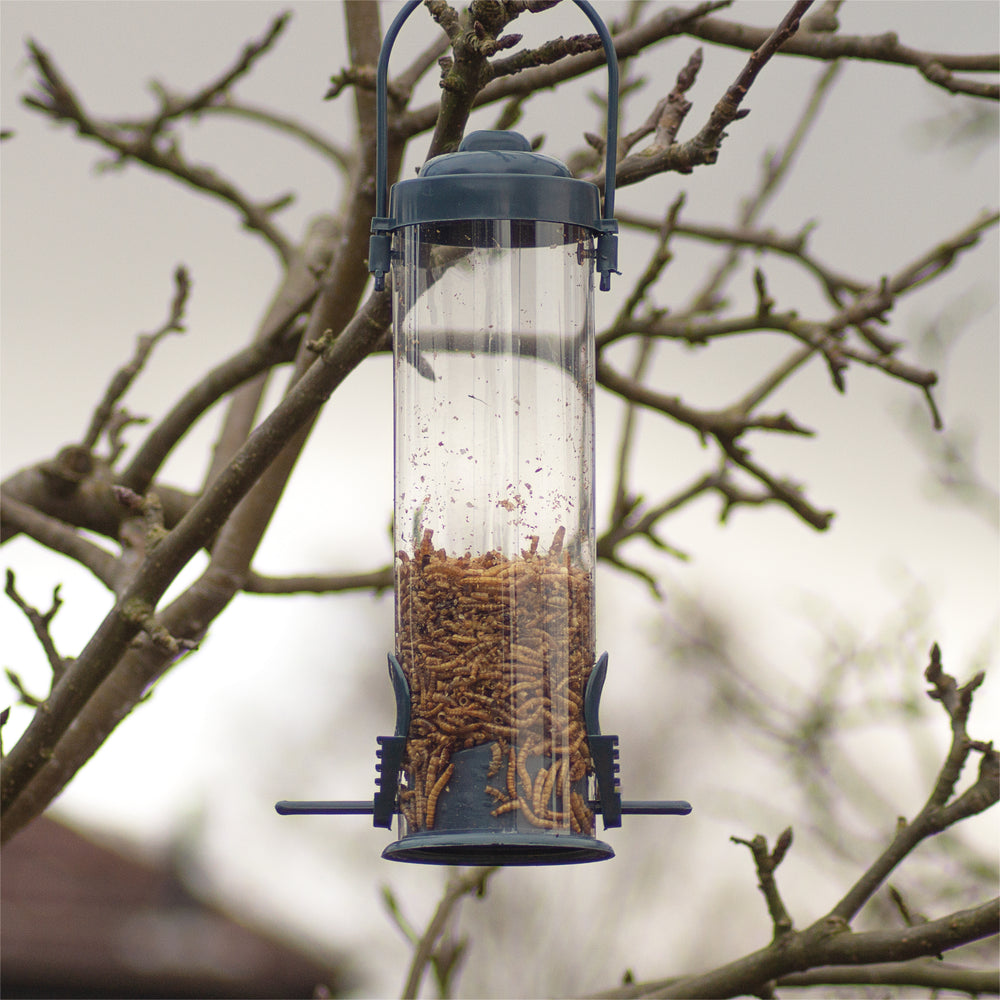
pixel 495 175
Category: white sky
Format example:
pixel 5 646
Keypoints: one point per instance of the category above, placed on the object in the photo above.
pixel 87 263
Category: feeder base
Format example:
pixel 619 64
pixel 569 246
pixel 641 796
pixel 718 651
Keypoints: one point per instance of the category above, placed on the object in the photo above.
pixel 483 847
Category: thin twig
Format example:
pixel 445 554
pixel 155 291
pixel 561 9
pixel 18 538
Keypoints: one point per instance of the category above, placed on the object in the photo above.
pixel 40 624
pixel 126 375
pixel 746 237
pixel 325 146
pixel 460 886
pixel 776 168
pixel 766 863
pixel 173 106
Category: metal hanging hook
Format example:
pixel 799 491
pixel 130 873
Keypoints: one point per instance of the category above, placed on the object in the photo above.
pixel 382 225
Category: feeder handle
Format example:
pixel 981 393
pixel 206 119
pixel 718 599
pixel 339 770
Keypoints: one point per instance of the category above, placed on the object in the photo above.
pixel 382 125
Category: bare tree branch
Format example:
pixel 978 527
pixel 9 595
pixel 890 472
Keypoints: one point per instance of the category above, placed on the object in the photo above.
pixel 58 536
pixel 377 581
pixel 40 623
pixel 320 323
pixel 175 106
pixel 208 514
pixel 830 941
pixel 427 948
pixel 826 943
pixel 704 147
pixel 766 862
pixel 56 99
pixel 938 813
pixel 930 974
pixel 246 364
pixel 125 376
pixel 228 106
pixel 937 67
pixel 665 23
pixel 281 434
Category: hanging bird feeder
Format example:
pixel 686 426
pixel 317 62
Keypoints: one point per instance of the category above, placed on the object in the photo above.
pixel 497 756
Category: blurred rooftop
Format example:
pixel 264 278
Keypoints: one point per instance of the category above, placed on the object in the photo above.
pixel 84 920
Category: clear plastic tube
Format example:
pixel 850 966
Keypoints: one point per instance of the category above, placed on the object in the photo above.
pixel 494 529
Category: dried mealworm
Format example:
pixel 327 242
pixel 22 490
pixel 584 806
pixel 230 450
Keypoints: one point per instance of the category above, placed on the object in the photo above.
pixel 550 780
pixel 506 808
pixel 538 790
pixel 533 818
pixel 492 631
pixel 581 812
pixel 438 788
pixel 522 768
pixel 496 794
pixel 496 753
pixel 565 784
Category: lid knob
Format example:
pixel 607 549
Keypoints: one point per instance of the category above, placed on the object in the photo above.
pixel 490 139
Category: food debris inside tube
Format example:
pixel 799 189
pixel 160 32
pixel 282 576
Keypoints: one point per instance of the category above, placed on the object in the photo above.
pixel 497 650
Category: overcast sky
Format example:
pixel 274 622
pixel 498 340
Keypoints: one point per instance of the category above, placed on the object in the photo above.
pixel 87 263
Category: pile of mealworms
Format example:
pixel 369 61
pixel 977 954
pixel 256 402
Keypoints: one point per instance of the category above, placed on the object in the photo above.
pixel 497 650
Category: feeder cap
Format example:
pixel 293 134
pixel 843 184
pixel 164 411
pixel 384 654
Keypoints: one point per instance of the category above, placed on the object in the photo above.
pixel 495 175
pixel 494 152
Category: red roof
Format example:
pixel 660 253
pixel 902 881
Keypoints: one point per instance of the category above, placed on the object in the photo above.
pixel 82 920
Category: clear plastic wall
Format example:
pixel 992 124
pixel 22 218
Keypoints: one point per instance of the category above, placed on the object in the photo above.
pixel 494 526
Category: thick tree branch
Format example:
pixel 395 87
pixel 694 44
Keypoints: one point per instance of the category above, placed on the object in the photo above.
pixel 930 974
pixel 207 515
pixel 60 537
pixel 826 943
pixel 900 944
pixel 296 295
pixel 258 357
pixel 76 488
